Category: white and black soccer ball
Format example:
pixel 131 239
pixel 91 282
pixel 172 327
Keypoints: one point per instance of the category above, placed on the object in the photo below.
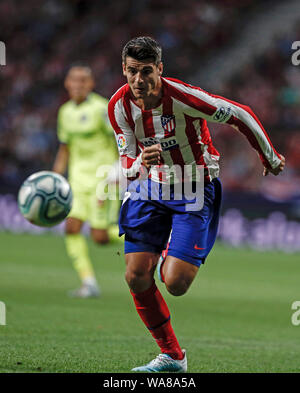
pixel 45 198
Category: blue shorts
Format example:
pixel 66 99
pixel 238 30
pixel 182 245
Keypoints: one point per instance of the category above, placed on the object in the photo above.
pixel 147 225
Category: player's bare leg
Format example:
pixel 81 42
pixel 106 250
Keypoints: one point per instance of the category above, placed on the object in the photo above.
pixel 99 236
pixel 178 275
pixel 140 267
pixel 78 252
pixel 73 225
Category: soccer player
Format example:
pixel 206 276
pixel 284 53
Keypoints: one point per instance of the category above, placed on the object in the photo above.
pixel 86 142
pixel 160 122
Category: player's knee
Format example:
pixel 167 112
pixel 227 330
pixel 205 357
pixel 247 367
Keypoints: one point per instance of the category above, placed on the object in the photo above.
pixel 100 238
pixel 134 277
pixel 72 230
pixel 73 226
pixel 178 287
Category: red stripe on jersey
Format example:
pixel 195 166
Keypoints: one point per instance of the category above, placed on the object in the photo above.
pixel 127 162
pixel 195 144
pixel 192 136
pixel 162 177
pixel 148 124
pixel 167 105
pixel 178 160
pixel 189 99
pixel 149 131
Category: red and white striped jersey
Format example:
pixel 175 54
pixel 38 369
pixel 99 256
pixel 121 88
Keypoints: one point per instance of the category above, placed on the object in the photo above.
pixel 179 124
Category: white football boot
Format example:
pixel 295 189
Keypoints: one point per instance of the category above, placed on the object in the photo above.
pixel 86 291
pixel 164 362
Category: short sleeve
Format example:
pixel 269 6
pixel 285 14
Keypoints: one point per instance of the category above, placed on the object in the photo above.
pixel 62 134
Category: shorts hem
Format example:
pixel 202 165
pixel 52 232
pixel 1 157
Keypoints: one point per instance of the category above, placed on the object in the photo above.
pixel 132 246
pixel 193 261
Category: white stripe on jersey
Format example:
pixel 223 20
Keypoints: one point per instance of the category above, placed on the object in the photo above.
pixel 156 117
pixel 130 146
pixel 181 137
pixel 137 117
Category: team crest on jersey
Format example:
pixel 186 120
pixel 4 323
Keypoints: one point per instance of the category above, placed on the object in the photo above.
pixel 168 123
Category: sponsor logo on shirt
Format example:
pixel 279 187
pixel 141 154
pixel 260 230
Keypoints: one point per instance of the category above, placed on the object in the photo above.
pixel 166 144
pixel 222 114
pixel 121 143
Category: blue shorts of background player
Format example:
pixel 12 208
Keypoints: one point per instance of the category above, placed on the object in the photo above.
pixel 147 224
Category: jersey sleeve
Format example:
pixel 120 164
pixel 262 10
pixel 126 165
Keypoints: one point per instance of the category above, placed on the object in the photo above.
pixel 62 134
pixel 105 123
pixel 129 150
pixel 218 109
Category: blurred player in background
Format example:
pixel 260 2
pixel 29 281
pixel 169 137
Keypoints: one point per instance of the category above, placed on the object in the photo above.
pixel 163 121
pixel 86 142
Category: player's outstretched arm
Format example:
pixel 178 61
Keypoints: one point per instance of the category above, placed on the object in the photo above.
pixel 241 117
pixel 221 110
pixel 61 159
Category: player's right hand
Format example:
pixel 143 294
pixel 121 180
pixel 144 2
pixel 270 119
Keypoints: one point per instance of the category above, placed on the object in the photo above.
pixel 277 170
pixel 151 155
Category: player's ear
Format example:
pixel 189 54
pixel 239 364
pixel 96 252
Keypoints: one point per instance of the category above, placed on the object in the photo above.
pixel 124 69
pixel 66 82
pixel 160 68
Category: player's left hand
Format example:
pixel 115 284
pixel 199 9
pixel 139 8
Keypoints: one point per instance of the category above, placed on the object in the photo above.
pixel 277 170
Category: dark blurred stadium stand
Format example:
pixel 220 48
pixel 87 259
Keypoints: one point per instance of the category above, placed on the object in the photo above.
pixel 43 38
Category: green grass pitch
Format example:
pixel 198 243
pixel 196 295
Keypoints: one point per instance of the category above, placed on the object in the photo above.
pixel 236 317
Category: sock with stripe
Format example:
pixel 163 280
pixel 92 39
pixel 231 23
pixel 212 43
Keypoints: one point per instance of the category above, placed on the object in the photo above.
pixel 155 314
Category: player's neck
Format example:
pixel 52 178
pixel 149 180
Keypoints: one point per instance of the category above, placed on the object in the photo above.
pixel 80 100
pixel 152 101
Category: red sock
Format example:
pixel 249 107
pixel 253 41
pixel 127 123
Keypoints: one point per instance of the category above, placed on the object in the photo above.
pixel 155 314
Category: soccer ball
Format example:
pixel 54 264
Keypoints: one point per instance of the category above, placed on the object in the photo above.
pixel 45 198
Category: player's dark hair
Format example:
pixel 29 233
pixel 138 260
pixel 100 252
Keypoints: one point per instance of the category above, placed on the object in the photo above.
pixel 142 48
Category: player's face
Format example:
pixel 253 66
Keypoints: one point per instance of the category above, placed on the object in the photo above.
pixel 79 83
pixel 143 77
